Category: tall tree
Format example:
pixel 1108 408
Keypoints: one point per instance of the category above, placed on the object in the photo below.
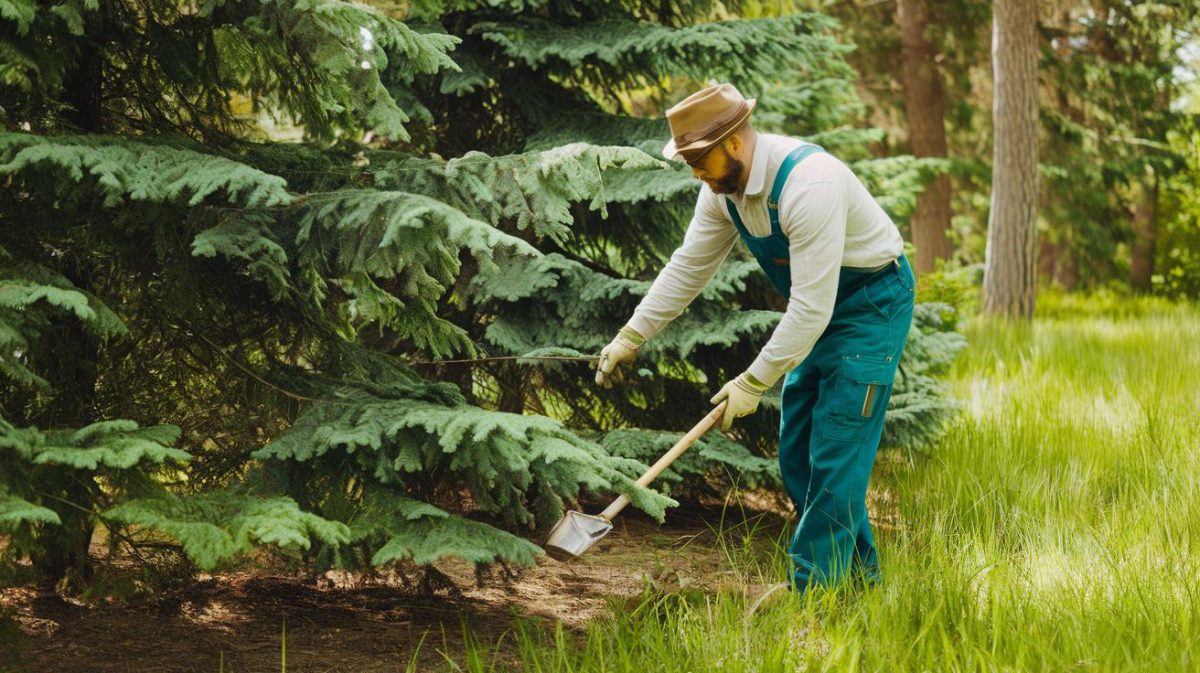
pixel 956 35
pixel 924 110
pixel 1010 276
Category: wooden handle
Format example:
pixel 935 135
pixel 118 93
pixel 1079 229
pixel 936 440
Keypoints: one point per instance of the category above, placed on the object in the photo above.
pixel 668 458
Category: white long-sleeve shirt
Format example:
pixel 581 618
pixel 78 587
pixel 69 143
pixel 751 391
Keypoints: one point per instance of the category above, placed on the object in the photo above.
pixel 830 221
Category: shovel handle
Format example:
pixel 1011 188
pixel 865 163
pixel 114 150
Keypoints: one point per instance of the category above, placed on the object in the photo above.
pixel 668 458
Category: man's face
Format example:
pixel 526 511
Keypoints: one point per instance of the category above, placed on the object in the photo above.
pixel 719 169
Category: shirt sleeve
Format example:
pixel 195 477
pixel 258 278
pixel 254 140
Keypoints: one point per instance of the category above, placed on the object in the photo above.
pixel 709 238
pixel 813 217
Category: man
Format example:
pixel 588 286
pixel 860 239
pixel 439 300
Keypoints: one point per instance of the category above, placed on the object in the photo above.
pixel 828 247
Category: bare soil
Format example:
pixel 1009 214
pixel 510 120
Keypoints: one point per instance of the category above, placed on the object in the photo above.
pixel 235 621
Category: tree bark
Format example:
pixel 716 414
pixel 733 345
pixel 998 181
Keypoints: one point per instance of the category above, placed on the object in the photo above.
pixel 1010 276
pixel 924 109
pixel 69 356
pixel 1145 230
pixel 84 87
pixel 1056 261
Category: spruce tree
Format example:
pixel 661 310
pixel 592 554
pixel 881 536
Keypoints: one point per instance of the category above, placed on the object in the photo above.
pixel 234 342
pixel 578 72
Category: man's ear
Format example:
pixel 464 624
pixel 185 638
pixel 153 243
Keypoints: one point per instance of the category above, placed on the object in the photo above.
pixel 734 144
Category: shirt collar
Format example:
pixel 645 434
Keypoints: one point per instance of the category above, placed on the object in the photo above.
pixel 758 167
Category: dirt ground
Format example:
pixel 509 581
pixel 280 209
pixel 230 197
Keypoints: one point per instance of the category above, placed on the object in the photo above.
pixel 234 621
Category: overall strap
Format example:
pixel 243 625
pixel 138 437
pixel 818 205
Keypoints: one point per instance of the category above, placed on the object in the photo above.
pixel 737 220
pixel 789 162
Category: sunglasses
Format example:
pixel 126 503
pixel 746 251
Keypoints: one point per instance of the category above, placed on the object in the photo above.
pixel 699 161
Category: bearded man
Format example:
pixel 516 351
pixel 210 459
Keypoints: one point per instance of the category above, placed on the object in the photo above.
pixel 827 246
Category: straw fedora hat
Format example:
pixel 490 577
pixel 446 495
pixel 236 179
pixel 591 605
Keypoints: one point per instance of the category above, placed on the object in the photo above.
pixel 704 119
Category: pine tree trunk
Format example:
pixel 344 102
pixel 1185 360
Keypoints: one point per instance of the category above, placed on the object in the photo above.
pixel 69 358
pixel 83 87
pixel 1047 257
pixel 63 548
pixel 1145 230
pixel 1056 260
pixel 1010 278
pixel 924 106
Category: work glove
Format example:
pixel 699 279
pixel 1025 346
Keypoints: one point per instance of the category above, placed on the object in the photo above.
pixel 743 393
pixel 624 348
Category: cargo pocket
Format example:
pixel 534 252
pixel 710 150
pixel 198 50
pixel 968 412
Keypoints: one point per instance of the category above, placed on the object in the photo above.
pixel 858 396
pixel 880 296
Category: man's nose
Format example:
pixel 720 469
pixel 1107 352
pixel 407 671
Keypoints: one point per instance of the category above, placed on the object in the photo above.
pixel 697 172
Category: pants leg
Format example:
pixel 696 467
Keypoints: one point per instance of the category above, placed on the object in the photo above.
pixel 795 428
pixel 856 361
pixel 866 556
pixel 833 527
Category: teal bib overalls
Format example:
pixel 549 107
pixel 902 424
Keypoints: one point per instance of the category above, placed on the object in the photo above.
pixel 834 401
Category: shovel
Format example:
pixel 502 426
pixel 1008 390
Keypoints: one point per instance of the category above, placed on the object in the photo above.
pixel 577 532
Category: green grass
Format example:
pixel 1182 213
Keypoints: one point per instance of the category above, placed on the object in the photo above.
pixel 1055 527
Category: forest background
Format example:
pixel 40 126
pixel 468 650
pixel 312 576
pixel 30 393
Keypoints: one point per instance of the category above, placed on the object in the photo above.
pixel 236 237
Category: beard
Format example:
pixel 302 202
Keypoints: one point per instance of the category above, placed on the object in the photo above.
pixel 728 183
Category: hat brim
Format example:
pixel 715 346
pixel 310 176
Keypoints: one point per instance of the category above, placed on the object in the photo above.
pixel 676 153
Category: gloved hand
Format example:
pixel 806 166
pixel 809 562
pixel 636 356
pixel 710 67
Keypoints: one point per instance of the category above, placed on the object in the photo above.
pixel 624 348
pixel 743 393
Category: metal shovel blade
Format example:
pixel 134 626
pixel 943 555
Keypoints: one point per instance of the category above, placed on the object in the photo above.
pixel 577 531
pixel 574 534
